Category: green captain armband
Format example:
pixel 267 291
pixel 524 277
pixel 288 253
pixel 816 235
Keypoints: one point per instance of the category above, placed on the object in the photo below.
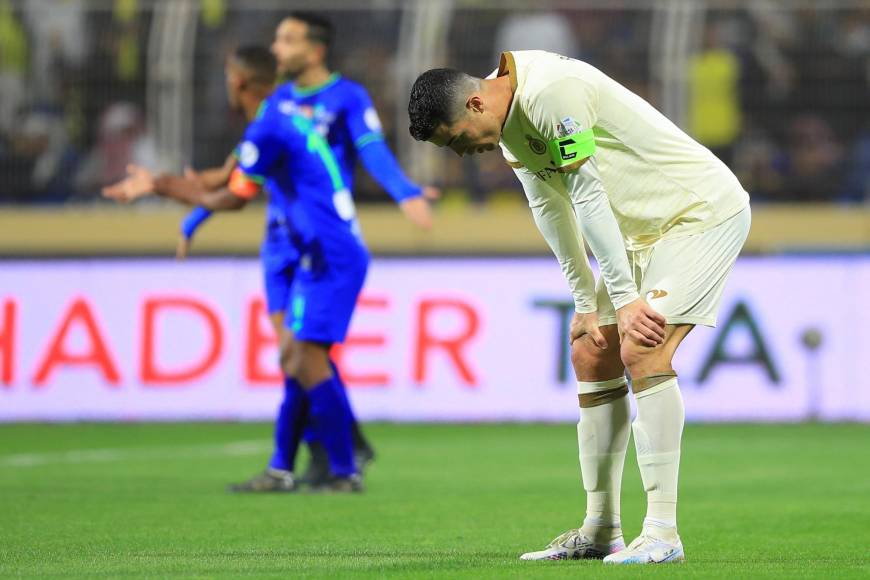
pixel 572 148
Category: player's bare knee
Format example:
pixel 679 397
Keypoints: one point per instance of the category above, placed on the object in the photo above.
pixel 631 353
pixel 311 365
pixel 593 363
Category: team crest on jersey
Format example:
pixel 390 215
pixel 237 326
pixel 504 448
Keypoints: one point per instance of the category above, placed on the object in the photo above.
pixel 567 126
pixel 537 146
pixel 373 122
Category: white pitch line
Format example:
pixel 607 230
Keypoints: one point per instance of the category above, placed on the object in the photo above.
pixel 236 448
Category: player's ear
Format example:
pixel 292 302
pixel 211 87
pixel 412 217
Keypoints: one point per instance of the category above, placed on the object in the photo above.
pixel 474 104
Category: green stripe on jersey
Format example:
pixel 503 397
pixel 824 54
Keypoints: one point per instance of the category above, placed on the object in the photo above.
pixel 368 138
pixel 317 144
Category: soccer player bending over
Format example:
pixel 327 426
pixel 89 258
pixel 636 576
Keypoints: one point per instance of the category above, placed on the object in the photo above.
pixel 317 220
pixel 665 220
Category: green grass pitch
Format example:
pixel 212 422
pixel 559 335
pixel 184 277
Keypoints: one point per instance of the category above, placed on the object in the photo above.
pixel 453 501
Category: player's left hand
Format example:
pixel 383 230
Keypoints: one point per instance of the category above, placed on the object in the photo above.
pixel 138 183
pixel 640 322
pixel 418 211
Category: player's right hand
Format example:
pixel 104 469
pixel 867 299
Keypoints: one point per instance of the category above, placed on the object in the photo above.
pixel 586 323
pixel 138 183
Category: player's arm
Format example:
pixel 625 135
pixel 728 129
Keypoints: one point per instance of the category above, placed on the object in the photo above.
pixel 365 130
pixel 215 177
pixel 140 182
pixel 190 192
pixel 554 217
pixel 210 179
pixel 565 113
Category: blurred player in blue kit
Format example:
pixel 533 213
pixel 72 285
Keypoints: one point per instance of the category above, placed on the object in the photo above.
pixel 341 111
pixel 313 250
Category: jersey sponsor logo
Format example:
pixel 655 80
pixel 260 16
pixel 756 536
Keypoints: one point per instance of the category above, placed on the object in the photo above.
pixel 537 146
pixel 653 294
pixel 248 154
pixel 320 117
pixel 373 122
pixel 546 173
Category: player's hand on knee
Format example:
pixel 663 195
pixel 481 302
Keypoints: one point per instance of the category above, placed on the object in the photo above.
pixel 586 324
pixel 638 321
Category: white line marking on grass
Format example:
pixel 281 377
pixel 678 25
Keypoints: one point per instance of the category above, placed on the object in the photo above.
pixel 236 448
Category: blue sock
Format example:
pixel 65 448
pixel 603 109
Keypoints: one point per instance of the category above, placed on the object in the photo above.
pixel 344 396
pixel 288 425
pixel 332 424
pixel 309 436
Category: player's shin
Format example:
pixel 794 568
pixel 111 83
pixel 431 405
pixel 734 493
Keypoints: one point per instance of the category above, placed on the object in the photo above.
pixel 603 433
pixel 288 426
pixel 332 424
pixel 364 451
pixel 658 430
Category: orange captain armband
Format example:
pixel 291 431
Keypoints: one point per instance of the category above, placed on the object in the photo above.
pixel 244 185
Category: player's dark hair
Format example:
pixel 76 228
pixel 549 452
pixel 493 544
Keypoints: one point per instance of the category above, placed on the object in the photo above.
pixel 259 62
pixel 438 96
pixel 320 27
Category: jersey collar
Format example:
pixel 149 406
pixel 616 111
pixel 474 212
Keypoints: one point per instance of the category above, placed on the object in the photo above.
pixel 308 91
pixel 508 66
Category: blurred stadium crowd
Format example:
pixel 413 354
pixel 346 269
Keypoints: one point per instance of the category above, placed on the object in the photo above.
pixel 780 94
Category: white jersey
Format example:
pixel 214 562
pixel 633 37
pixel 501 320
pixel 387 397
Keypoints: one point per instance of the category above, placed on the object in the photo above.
pixel 644 180
pixel 659 181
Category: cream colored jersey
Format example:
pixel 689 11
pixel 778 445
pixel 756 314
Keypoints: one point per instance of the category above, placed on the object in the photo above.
pixel 660 182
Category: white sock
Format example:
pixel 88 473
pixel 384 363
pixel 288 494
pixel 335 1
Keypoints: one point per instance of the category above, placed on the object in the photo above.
pixel 658 429
pixel 602 434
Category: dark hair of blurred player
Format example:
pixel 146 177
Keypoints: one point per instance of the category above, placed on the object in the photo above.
pixel 301 47
pixel 250 77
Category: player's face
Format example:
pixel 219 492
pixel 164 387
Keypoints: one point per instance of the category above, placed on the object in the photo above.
pixel 474 132
pixel 235 82
pixel 292 49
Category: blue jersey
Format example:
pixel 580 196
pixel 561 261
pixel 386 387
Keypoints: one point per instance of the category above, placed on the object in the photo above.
pixel 342 111
pixel 309 203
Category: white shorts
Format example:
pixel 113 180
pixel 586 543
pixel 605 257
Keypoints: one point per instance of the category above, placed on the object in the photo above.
pixel 683 278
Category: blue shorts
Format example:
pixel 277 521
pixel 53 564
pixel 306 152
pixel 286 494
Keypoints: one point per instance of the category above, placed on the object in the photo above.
pixel 278 273
pixel 322 302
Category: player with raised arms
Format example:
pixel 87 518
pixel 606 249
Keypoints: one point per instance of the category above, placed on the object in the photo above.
pixel 665 220
pixel 314 215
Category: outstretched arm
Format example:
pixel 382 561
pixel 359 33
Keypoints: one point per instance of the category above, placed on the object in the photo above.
pixel 365 130
pixel 141 182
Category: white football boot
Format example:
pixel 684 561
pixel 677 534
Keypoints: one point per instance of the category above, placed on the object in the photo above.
pixel 653 546
pixel 575 545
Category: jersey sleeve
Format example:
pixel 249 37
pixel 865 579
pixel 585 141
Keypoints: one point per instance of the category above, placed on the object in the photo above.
pixel 564 113
pixel 363 122
pixel 257 154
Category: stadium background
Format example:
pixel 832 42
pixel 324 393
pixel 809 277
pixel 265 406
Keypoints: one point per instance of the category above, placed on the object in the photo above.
pixel 463 324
